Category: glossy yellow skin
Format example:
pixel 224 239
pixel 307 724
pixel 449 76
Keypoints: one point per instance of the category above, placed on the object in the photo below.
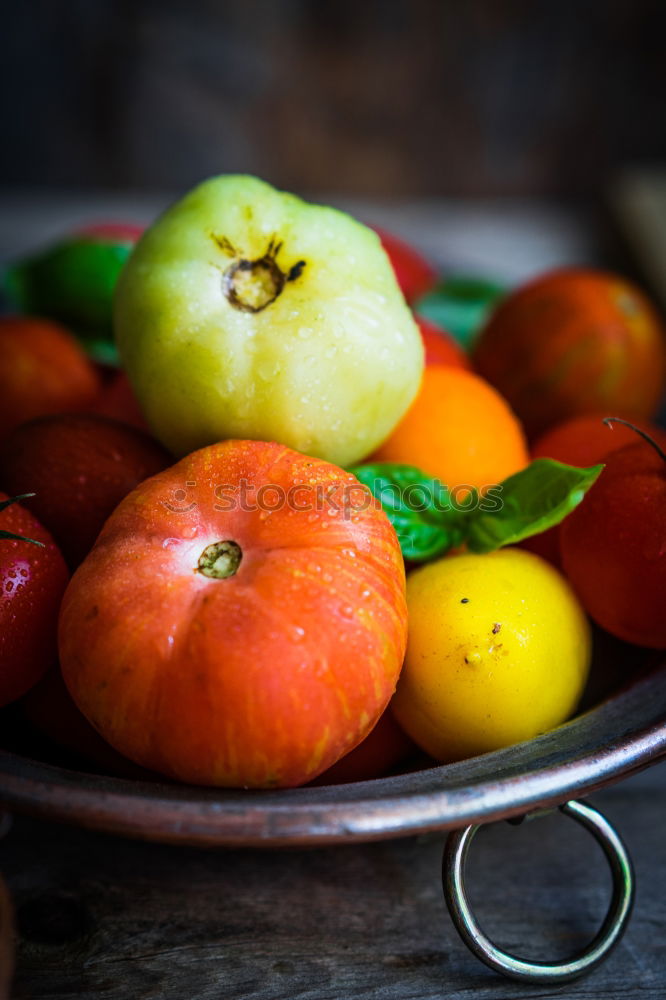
pixel 500 667
pixel 328 366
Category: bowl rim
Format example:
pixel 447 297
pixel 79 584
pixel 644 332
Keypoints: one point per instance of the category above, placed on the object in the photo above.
pixel 622 734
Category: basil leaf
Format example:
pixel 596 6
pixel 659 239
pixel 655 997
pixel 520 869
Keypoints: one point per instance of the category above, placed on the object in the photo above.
pixel 418 506
pixel 527 503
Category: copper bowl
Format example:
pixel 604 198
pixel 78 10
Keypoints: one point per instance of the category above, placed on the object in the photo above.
pixel 620 735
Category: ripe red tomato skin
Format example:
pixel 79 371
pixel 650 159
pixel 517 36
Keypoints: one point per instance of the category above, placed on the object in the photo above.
pixel 613 547
pixel 80 467
pixel 260 680
pixel 581 441
pixel 32 582
pixel 117 401
pixel 414 274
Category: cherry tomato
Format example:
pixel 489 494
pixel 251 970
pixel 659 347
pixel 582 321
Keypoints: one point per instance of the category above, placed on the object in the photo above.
pixel 32 581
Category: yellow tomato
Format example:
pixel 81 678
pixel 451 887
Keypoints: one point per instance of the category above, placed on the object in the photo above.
pixel 498 652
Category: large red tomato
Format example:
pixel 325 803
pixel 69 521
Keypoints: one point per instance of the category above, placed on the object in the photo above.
pixel 32 581
pixel 241 620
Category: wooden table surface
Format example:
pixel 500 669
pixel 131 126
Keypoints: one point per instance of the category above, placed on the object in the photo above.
pixel 105 918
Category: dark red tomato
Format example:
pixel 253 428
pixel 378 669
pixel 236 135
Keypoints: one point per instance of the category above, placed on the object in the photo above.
pixel 117 400
pixel 49 708
pixel 413 273
pixel 80 466
pixel 32 581
pixel 382 750
pixel 614 546
pixel 581 441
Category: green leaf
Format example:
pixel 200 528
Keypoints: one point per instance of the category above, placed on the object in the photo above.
pixel 527 503
pixel 461 305
pixel 418 506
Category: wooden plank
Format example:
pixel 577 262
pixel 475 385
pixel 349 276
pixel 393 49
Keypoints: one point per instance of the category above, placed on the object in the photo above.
pixel 106 918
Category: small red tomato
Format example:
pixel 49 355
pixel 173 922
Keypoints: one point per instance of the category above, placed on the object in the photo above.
pixel 440 347
pixel 80 466
pixel 613 546
pixel 413 273
pixel 32 581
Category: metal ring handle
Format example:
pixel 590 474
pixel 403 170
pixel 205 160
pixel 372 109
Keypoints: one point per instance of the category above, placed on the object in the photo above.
pixel 612 929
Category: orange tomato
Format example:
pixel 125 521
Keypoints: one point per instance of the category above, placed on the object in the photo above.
pixel 574 342
pixel 458 429
pixel 241 620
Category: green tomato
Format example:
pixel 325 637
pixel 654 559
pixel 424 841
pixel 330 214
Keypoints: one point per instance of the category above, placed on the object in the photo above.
pixel 245 312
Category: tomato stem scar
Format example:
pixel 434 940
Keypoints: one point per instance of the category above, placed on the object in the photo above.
pixel 220 560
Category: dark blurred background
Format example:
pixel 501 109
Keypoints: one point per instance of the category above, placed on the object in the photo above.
pixel 358 97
